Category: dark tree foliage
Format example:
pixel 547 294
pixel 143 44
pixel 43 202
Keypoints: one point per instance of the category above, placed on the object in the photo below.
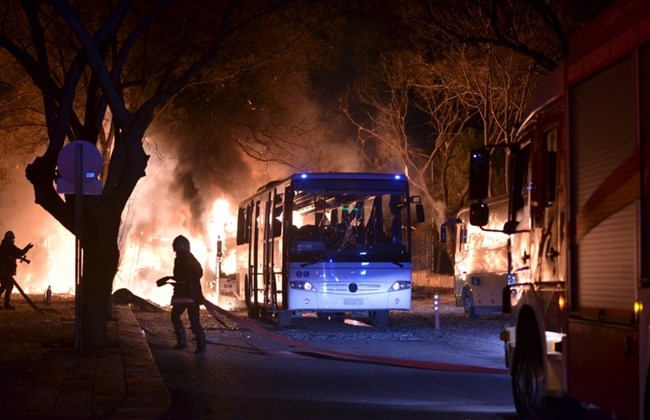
pixel 103 70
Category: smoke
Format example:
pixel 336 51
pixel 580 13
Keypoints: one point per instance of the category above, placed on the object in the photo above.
pixel 190 189
pixel 195 179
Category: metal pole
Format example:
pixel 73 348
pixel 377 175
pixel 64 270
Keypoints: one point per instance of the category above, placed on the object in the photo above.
pixel 78 189
pixel 436 310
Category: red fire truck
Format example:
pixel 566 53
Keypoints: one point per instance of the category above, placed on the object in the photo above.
pixel 578 226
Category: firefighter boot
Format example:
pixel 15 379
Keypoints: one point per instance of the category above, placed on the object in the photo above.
pixel 180 339
pixel 200 343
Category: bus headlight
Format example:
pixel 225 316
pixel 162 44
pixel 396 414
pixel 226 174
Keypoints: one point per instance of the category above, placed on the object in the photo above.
pixel 400 285
pixel 301 285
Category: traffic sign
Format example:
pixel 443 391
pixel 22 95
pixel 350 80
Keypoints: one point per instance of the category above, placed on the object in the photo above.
pixel 85 175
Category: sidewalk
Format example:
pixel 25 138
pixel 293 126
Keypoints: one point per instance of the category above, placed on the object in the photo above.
pixel 41 375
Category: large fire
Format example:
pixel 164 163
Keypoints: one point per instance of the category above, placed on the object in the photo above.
pixel 148 256
pixel 145 257
pixel 178 196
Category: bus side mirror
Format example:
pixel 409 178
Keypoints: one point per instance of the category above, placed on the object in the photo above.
pixel 443 228
pixel 479 214
pixel 419 213
pixel 419 208
pixel 479 174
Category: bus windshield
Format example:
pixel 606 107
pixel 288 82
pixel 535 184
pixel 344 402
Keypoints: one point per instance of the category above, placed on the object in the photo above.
pixel 348 226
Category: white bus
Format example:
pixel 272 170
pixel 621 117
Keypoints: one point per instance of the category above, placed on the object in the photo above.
pixel 327 243
pixel 480 259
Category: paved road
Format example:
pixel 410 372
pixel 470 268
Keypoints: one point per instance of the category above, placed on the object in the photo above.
pixel 246 375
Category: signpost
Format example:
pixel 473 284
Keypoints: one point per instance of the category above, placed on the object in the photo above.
pixel 79 164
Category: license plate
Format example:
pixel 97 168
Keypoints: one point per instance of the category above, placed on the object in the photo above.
pixel 351 301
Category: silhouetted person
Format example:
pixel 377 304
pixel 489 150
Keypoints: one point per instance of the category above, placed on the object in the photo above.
pixel 9 253
pixel 187 293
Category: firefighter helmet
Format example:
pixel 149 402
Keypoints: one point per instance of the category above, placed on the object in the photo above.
pixel 181 244
pixel 10 235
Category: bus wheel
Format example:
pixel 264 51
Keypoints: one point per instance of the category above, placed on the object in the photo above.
pixel 247 293
pixel 254 311
pixel 380 319
pixel 283 318
pixel 468 304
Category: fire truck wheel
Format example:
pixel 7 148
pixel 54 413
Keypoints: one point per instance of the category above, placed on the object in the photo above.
pixel 528 385
pixel 468 304
pixel 529 391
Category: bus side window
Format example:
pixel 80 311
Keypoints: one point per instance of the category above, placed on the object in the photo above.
pixel 551 165
pixel 248 233
pixel 241 226
pixel 277 216
pixel 463 234
pixel 461 243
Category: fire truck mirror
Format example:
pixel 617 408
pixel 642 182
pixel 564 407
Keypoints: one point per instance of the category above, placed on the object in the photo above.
pixel 479 214
pixel 506 301
pixel 479 174
pixel 510 227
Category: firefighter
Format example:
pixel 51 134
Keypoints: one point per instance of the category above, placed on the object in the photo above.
pixel 187 294
pixel 9 253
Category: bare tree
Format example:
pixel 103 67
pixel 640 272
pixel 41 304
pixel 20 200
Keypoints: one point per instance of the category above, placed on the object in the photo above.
pixel 536 29
pixel 464 63
pixel 410 120
pixel 103 70
pixel 286 120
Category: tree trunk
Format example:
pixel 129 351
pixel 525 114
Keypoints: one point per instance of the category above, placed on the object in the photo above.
pixel 100 260
pixel 101 223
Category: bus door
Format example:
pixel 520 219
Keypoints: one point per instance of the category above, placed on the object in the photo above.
pixel 272 256
pixel 257 273
pixel 251 234
pixel 267 254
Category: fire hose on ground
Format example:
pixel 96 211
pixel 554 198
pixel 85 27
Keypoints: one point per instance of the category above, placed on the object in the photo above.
pixel 309 350
pixel 31 303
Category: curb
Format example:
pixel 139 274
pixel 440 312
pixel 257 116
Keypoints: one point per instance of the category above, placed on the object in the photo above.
pixel 146 393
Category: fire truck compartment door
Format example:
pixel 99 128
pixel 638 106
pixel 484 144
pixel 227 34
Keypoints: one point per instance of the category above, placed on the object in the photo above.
pixel 601 358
